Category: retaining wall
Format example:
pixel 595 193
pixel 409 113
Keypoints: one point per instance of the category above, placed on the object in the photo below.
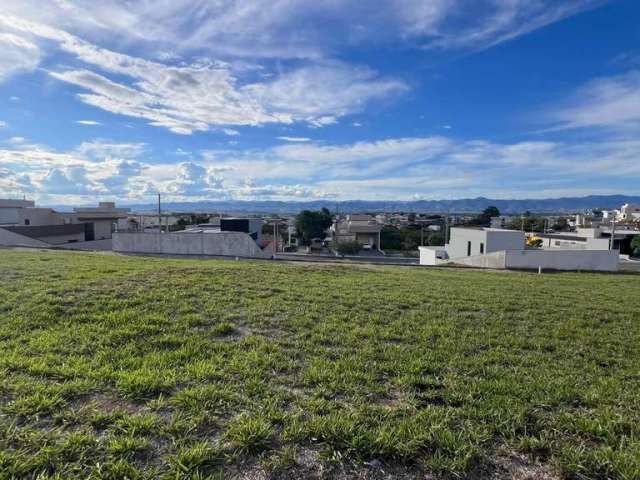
pixel 219 244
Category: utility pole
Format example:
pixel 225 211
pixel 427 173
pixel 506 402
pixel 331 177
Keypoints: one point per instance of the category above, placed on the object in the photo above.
pixel 446 229
pixel 159 216
pixel 613 235
pixel 275 238
pixel 421 235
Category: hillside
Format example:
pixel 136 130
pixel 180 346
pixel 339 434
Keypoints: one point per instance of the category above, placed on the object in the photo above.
pixel 464 205
pixel 126 367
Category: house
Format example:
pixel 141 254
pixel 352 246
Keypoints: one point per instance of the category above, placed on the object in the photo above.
pixel 104 218
pixel 594 238
pixel 629 213
pixel 506 249
pixel 363 229
pixel 22 223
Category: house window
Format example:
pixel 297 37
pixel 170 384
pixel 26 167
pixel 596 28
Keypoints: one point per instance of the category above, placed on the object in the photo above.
pixel 481 248
pixel 27 221
pixel 468 249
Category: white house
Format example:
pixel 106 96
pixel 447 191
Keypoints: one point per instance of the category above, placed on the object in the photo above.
pixel 504 249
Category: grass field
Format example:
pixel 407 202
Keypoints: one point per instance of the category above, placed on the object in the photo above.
pixel 123 367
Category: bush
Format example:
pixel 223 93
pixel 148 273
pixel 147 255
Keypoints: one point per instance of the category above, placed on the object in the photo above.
pixel 348 248
pixel 635 246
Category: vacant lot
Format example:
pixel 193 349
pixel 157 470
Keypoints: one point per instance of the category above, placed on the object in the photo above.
pixel 114 367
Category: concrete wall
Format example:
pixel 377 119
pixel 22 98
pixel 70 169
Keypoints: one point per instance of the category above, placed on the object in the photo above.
pixel 597 244
pixel 491 260
pixel 39 216
pixel 9 215
pixel 587 260
pixel 230 244
pixel 457 246
pixel 10 239
pixel 102 229
pixel 499 240
pixel 432 255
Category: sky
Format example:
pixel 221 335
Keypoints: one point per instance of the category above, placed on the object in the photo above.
pixel 305 100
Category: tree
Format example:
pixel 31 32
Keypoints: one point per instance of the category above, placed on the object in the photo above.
pixel 527 223
pixel 193 219
pixel 484 219
pixel 560 225
pixel 312 224
pixel 391 238
pixel 348 248
pixel 635 246
pixel 436 239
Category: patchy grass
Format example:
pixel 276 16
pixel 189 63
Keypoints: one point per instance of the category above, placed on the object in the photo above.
pixel 116 367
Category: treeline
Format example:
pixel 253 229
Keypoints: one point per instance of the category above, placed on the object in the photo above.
pixel 410 237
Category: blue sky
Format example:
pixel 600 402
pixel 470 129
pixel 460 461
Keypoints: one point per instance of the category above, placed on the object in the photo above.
pixel 298 99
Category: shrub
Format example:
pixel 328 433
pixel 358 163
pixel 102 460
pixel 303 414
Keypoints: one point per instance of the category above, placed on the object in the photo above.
pixel 348 248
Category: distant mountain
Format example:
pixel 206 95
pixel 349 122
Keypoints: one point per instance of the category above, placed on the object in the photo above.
pixel 467 205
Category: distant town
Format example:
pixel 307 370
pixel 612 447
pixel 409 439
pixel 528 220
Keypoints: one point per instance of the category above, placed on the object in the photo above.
pixel 591 239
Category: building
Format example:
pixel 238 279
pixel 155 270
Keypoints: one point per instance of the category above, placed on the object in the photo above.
pixel 251 226
pixel 506 249
pixel 629 213
pixel 465 242
pixel 103 219
pixel 22 223
pixel 223 237
pixel 363 229
pixel 594 238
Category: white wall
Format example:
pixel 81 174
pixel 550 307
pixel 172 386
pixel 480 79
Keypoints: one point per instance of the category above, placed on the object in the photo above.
pixel 498 240
pixel 459 238
pixel 39 217
pixel 102 228
pixel 229 244
pixel 432 255
pixel 587 260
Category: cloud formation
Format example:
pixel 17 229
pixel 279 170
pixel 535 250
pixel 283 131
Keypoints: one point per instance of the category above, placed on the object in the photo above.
pixel 300 29
pixel 609 102
pixel 398 168
pixel 206 94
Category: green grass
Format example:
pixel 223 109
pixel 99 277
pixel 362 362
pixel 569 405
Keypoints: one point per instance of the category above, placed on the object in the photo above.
pixel 123 367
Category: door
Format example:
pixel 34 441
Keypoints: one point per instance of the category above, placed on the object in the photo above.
pixel 89 232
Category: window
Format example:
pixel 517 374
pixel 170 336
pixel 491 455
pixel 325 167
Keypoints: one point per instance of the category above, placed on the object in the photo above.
pixel 481 248
pixel 27 221
pixel 468 249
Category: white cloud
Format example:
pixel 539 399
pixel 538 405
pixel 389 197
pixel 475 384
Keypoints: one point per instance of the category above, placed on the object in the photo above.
pixel 610 102
pixel 397 168
pixel 231 132
pixel 299 28
pixel 17 54
pixel 489 22
pixel 88 122
pixel 195 180
pixel 196 97
pixel 101 149
pixel 294 139
pixel 3 124
pixel 17 140
pixel 320 93
pixel 68 181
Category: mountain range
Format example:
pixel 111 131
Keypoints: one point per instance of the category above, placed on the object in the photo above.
pixel 466 205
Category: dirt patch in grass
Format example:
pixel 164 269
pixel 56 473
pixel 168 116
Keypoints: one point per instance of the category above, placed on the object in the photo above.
pixel 109 403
